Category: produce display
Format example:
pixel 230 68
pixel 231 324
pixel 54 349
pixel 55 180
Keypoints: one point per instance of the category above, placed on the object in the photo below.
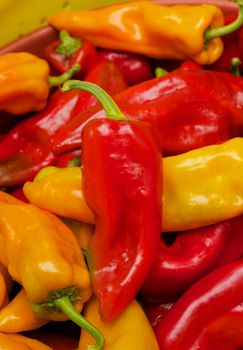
pixel 121 180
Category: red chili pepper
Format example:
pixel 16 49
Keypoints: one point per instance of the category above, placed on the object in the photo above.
pixel 213 296
pixel 122 185
pixel 189 108
pixel 67 51
pixel 192 255
pixel 28 147
pixel 105 74
pixel 135 68
pixel 73 158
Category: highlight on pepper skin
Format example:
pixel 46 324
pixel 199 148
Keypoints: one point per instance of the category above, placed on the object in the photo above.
pixel 121 196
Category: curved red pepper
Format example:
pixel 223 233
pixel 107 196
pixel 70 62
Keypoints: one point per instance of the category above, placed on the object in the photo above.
pixel 189 108
pixel 155 312
pixel 122 185
pixel 193 254
pixel 213 296
pixel 135 68
pixel 64 53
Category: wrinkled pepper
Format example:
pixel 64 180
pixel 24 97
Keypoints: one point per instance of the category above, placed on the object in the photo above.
pixel 192 255
pixel 27 148
pixel 20 342
pixel 67 51
pixel 130 331
pixel 17 316
pixel 121 174
pixel 25 83
pixel 188 108
pixel 135 68
pixel 192 197
pixel 153 30
pixel 214 296
pixel 52 272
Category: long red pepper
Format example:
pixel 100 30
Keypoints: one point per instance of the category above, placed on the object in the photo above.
pixel 122 186
pixel 210 298
pixel 27 148
pixel 192 255
pixel 189 108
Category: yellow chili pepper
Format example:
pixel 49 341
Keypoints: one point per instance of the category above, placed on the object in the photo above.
pixel 3 291
pixel 17 316
pixel 170 32
pixel 25 82
pixel 130 331
pixel 43 255
pixel 82 231
pixel 20 342
pixel 201 187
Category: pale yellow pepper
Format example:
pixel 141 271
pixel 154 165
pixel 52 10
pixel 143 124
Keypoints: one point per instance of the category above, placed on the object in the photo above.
pixel 144 27
pixel 20 342
pixel 128 332
pixel 201 187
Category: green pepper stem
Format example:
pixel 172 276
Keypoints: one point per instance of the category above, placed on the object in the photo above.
pixel 75 161
pixel 212 33
pixel 68 44
pixel 110 107
pixel 64 304
pixel 160 72
pixel 235 66
pixel 59 80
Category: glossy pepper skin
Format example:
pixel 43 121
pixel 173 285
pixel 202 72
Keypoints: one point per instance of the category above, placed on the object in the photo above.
pixel 67 51
pixel 131 237
pixel 57 265
pixel 135 68
pixel 17 316
pixel 212 297
pixel 148 28
pixel 27 148
pixel 24 80
pixel 131 330
pixel 121 174
pixel 192 197
pixel 192 255
pixel 20 342
pixel 188 108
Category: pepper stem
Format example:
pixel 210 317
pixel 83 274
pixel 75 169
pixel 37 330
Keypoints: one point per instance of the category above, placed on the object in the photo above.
pixel 110 107
pixel 67 308
pixel 212 33
pixel 160 72
pixel 75 161
pixel 59 80
pixel 68 44
pixel 235 66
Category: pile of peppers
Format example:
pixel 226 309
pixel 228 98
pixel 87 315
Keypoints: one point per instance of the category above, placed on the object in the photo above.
pixel 121 192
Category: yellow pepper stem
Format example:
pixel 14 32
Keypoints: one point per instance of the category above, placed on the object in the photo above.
pixel 59 80
pixel 160 72
pixel 235 66
pixel 110 107
pixel 67 308
pixel 68 44
pixel 212 33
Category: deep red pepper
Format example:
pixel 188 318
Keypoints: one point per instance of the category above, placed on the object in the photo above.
pixel 213 296
pixel 18 193
pixel 189 108
pixel 67 51
pixel 192 255
pixel 73 157
pixel 28 147
pixel 135 68
pixel 155 312
pixel 122 186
